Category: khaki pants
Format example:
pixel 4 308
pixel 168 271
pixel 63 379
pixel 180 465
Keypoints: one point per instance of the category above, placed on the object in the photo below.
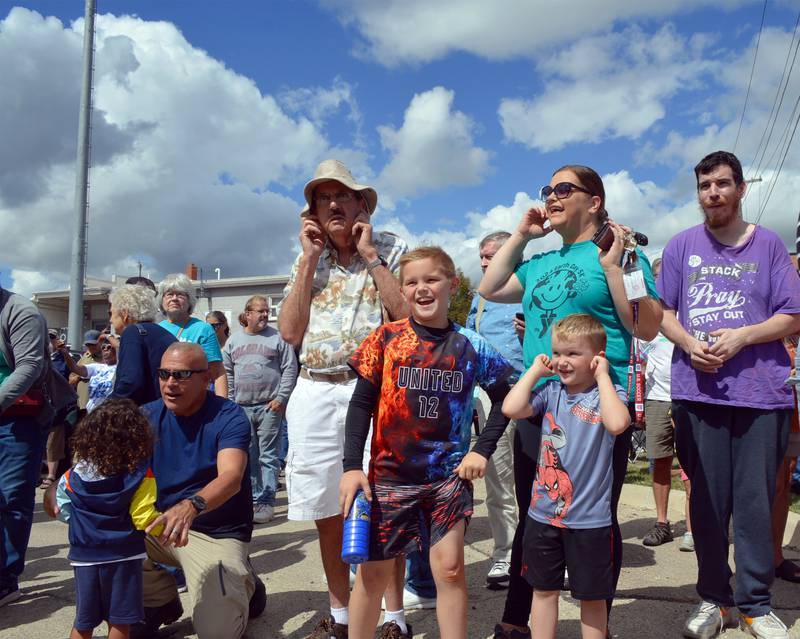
pixel 501 501
pixel 56 444
pixel 219 578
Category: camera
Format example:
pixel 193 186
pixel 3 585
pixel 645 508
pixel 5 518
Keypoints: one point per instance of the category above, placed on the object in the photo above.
pixel 604 238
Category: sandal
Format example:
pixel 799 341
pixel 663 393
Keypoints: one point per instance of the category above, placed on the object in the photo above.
pixel 46 482
pixel 788 571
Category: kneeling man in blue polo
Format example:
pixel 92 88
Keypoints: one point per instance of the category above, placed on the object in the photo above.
pixel 200 464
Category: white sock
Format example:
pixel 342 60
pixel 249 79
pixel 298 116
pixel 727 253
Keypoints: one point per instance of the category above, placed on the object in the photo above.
pixel 340 615
pixel 399 617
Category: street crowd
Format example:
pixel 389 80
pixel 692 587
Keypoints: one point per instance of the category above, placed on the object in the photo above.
pixel 163 444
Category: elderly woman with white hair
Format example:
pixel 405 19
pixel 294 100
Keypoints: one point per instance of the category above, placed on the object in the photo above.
pixel 178 299
pixel 141 344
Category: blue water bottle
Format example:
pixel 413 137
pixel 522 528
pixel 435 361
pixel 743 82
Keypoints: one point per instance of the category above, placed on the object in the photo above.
pixel 355 541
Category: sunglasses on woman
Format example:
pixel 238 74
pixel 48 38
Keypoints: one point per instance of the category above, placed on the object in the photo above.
pixel 562 190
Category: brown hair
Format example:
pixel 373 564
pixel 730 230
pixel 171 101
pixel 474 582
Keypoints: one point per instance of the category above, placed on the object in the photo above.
pixel 720 158
pixel 583 326
pixel 220 317
pixel 248 306
pixel 115 438
pixel 592 182
pixel 434 253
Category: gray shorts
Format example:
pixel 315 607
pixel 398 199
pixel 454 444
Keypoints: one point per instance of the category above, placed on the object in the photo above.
pixel 660 432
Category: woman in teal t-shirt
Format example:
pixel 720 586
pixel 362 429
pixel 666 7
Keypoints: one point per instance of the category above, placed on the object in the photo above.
pixel 577 278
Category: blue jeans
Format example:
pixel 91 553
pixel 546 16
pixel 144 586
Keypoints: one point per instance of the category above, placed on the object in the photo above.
pixel 732 455
pixel 283 449
pixel 419 578
pixel 265 441
pixel 21 447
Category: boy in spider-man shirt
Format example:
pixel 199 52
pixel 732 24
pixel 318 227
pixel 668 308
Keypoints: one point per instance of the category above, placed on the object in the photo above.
pixel 569 519
pixel 416 376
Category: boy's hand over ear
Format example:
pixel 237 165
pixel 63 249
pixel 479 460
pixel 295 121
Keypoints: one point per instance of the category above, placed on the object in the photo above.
pixel 599 365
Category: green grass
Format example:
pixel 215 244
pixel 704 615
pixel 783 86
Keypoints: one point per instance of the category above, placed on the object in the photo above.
pixel 639 473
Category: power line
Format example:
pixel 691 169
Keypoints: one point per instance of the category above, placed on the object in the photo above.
pixel 777 102
pixel 780 166
pixel 752 70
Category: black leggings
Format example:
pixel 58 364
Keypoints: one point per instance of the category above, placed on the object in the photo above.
pixel 526 453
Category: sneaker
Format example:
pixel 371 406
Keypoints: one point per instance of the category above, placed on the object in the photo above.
pixel 390 630
pixel 498 575
pixel 413 601
pixel 9 593
pixel 764 627
pixel 154 618
pixel 327 628
pixel 263 513
pixel 687 542
pixel 502 633
pixel 708 620
pixel 259 600
pixel 659 534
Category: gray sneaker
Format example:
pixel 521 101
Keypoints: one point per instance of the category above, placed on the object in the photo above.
pixel 708 620
pixel 765 627
pixel 263 513
pixel 687 543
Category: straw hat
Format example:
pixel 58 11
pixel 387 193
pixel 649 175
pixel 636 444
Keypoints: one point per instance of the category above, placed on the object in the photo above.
pixel 335 170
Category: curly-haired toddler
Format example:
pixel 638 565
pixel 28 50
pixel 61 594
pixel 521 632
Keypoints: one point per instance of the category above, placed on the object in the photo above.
pixel 108 498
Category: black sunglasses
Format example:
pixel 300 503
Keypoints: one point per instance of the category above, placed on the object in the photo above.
pixel 165 373
pixel 562 190
pixel 215 325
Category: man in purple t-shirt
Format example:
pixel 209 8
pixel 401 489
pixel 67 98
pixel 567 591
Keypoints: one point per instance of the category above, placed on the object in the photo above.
pixel 730 293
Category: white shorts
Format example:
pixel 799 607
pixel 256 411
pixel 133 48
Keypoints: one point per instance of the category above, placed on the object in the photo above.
pixel 315 416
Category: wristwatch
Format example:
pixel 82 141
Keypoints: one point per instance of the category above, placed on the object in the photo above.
pixel 378 261
pixel 198 502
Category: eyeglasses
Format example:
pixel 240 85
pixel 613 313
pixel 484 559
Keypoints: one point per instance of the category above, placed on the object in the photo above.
pixel 258 311
pixel 176 294
pixel 106 347
pixel 181 375
pixel 562 190
pixel 343 197
pixel 215 325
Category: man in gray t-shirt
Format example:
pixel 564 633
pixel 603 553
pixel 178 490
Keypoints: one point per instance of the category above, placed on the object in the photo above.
pixel 261 370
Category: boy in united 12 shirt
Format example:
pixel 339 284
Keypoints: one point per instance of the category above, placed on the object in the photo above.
pixel 416 376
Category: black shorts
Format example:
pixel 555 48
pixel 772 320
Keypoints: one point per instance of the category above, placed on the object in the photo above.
pixel 108 592
pixel 585 552
pixel 399 510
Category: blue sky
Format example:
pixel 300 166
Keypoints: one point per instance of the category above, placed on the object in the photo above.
pixel 209 122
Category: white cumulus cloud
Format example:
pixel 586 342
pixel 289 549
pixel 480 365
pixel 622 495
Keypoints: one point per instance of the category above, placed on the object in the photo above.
pixel 609 86
pixel 434 148
pixel 187 154
pixel 398 32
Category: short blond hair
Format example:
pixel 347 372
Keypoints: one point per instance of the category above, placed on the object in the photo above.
pixel 581 325
pixel 435 253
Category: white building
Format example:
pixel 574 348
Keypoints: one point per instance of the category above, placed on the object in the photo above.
pixel 224 294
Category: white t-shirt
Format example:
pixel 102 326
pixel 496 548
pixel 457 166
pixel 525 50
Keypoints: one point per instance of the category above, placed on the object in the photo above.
pixel 658 354
pixel 101 383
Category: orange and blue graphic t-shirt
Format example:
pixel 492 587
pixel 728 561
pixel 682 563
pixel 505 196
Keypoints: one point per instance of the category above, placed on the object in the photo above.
pixel 426 377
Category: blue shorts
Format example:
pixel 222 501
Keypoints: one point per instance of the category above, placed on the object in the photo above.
pixel 108 592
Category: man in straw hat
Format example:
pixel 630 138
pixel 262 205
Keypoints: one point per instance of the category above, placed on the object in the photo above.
pixel 342 286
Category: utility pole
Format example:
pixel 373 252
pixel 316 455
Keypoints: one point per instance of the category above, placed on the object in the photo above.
pixel 78 270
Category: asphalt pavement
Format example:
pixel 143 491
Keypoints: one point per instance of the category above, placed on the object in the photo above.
pixel 655 594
